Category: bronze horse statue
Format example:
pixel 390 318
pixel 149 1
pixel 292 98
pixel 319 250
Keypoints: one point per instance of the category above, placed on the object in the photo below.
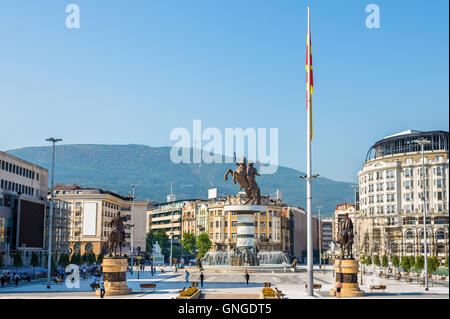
pixel 240 175
pixel 115 239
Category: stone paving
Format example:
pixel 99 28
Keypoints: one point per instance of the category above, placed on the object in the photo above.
pixel 227 285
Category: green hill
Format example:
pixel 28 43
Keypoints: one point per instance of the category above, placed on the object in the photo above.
pixel 115 167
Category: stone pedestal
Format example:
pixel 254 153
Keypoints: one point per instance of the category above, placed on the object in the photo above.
pixel 115 276
pixel 347 274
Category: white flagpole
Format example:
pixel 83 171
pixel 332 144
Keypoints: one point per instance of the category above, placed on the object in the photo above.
pixel 308 174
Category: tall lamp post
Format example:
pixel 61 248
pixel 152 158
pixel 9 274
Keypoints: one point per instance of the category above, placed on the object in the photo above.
pixel 422 141
pixel 132 228
pixel 320 240
pixel 356 187
pixel 50 221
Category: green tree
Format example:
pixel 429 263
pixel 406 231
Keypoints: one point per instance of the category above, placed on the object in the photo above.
pixel 203 244
pixel 188 242
pixel 84 258
pixel 64 260
pixel 405 263
pixel 99 259
pixel 420 263
pixel 395 261
pixel 433 264
pixel 384 261
pixel 34 262
pixel 17 261
pixel 368 260
pixel 446 262
pixel 76 259
pixel 412 261
pixel 376 260
pixel 91 259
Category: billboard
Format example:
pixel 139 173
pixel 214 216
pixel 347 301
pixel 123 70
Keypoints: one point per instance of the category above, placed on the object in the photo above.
pixel 90 219
pixel 31 224
pixel 212 193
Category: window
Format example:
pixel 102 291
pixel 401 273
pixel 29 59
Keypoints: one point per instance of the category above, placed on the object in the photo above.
pixel 233 235
pixel 440 235
pixel 409 235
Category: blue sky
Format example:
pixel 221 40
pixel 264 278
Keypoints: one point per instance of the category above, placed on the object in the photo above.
pixel 137 69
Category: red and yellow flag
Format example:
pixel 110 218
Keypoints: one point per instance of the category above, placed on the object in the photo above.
pixel 309 76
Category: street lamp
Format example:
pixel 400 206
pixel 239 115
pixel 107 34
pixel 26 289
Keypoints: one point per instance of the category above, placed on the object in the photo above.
pixel 422 141
pixel 309 249
pixel 132 228
pixel 356 187
pixel 320 240
pixel 50 221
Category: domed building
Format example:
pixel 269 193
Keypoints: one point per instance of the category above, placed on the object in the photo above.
pixel 390 219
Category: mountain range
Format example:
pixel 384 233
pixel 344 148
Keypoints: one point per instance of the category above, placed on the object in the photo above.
pixel 115 167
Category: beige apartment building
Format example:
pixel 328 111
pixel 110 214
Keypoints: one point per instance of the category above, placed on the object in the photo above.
pixel 92 212
pixel 391 189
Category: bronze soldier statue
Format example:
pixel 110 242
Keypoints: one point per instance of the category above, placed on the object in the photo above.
pixel 251 173
pixel 117 235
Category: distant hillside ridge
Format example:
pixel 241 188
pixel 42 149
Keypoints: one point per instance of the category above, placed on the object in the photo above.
pixel 115 167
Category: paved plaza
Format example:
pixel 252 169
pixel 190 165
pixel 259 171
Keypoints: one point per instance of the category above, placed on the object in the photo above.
pixel 228 285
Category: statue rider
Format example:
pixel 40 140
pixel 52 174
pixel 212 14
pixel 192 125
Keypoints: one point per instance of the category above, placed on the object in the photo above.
pixel 117 223
pixel 251 173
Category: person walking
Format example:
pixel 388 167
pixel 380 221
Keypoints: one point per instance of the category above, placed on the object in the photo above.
pixel 186 276
pixel 16 279
pixel 338 289
pixel 202 277
pixel 246 275
pixel 3 279
pixel 102 289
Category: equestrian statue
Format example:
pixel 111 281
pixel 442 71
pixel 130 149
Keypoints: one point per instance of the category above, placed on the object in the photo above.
pixel 245 176
pixel 345 237
pixel 117 236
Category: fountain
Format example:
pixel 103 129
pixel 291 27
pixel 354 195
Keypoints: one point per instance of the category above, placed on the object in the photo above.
pixel 245 254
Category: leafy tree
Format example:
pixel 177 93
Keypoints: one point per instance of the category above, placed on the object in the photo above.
pixel 395 261
pixel 64 260
pixel 76 259
pixel 376 260
pixel 405 263
pixel 17 261
pixel 203 243
pixel 420 263
pixel 176 252
pixel 34 262
pixel 84 258
pixel 433 264
pixel 412 261
pixel 368 260
pixel 446 262
pixel 99 259
pixel 91 259
pixel 188 242
pixel 384 261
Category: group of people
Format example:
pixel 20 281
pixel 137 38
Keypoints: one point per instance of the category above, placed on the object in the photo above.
pixel 13 278
pixel 202 276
